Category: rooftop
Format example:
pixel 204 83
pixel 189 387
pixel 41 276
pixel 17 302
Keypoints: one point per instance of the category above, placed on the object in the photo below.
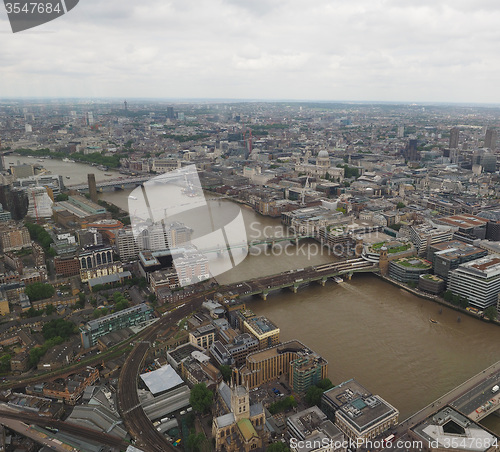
pixel 262 325
pixel 449 425
pixel 463 221
pixel 454 249
pixel 486 267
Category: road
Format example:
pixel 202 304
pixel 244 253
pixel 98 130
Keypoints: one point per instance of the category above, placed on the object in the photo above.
pixel 458 397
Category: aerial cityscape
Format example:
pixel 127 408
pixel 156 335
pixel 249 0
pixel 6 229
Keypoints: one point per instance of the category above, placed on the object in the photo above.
pixel 238 226
pixel 233 276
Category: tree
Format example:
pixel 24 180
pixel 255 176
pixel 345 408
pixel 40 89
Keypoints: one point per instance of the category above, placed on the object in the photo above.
pixel 278 447
pixel 58 328
pixel 400 205
pixel 201 398
pixel 490 313
pixel 448 296
pixel 5 363
pixel 62 197
pixel 39 291
pixel 325 384
pixel 50 309
pixel 196 441
pixel 313 395
pixel 226 372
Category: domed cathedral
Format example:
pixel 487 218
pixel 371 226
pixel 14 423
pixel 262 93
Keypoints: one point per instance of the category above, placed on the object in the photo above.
pixel 238 425
pixel 321 168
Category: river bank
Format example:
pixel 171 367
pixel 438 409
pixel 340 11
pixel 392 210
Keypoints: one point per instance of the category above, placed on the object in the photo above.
pixel 436 299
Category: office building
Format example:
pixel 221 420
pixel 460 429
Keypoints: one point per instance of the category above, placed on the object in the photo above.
pixel 447 429
pixel 305 372
pixel 411 152
pixel 191 267
pixel 490 139
pixel 478 281
pixel 447 256
pixel 203 337
pixel 358 413
pixel 424 235
pixel 315 429
pixel 170 113
pixel 408 269
pixel 454 134
pixel 466 225
pixel 432 284
pixel 266 332
pixel 129 317
pixel 493 226
pixel 486 159
pixel 268 365
pixel 235 351
pixel 126 245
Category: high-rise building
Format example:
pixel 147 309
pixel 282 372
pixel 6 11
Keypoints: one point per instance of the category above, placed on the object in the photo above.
pixel 126 244
pixel 125 104
pixel 411 152
pixel 170 113
pixel 92 187
pixel 478 281
pixel 454 133
pixel 490 139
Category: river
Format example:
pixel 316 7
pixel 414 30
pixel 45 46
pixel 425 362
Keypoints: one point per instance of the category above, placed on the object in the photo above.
pixel 366 328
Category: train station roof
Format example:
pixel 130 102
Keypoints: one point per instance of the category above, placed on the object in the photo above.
pixel 161 380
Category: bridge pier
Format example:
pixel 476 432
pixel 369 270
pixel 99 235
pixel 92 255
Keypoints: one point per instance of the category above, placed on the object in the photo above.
pixel 322 281
pixel 263 295
pixel 349 275
pixel 294 288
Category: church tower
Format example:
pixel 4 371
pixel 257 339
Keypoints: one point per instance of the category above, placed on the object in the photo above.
pixel 240 402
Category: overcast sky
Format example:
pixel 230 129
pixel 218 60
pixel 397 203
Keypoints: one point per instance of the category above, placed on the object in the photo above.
pixel 378 50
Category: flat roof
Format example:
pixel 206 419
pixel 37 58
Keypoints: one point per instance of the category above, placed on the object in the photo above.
pixel 453 249
pixel 463 221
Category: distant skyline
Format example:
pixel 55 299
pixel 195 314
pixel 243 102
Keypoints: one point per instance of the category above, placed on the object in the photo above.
pixel 396 51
